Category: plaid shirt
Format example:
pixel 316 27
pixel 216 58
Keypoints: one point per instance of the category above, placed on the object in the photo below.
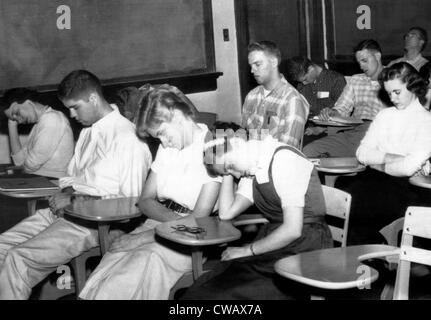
pixel 361 95
pixel 283 112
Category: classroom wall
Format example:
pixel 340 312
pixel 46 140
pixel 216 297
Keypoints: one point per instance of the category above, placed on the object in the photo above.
pixel 226 100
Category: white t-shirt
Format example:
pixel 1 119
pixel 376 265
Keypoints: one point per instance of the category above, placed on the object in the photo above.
pixel 290 173
pixel 181 174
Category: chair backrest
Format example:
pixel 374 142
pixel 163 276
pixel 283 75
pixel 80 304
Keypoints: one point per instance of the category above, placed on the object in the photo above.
pixel 417 223
pixel 338 205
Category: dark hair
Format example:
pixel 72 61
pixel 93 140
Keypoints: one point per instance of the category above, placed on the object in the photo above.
pixel 407 74
pixel 425 72
pixel 268 47
pixel 422 34
pixel 368 44
pixel 156 105
pixel 20 95
pixel 219 144
pixel 79 84
pixel 297 67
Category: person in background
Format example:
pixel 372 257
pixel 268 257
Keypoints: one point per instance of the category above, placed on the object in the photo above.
pixel 320 86
pixel 49 147
pixel 137 265
pixel 396 146
pixel 109 162
pixel 274 107
pixel 285 187
pixel 415 41
pixel 361 99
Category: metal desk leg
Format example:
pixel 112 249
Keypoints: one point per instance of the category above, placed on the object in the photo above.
pixel 103 236
pixel 197 262
pixel 31 206
pixel 330 180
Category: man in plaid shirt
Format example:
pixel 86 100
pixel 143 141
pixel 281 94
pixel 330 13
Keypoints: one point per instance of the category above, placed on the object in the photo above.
pixel 360 99
pixel 274 107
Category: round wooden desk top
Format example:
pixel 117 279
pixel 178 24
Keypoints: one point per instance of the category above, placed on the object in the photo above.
pixel 421 181
pixel 339 165
pixel 30 194
pixel 104 210
pixel 216 231
pixel 335 268
pixel 329 123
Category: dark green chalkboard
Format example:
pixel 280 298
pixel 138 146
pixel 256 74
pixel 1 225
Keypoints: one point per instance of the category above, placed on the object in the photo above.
pixel 390 20
pixel 112 38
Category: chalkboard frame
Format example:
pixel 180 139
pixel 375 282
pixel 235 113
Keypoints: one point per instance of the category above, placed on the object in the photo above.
pixel 199 80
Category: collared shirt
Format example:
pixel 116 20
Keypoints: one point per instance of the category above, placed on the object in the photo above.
pixel 403 132
pixel 49 147
pixel 417 62
pixel 360 98
pixel 324 92
pixel 181 174
pixel 109 159
pixel 282 113
pixel 291 174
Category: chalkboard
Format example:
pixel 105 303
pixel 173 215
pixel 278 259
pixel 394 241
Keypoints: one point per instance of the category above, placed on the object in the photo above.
pixel 113 39
pixel 390 20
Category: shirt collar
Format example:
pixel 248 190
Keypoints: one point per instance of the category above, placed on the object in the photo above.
pixel 107 120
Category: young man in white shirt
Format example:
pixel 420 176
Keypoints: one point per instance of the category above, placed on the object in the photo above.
pixel 109 161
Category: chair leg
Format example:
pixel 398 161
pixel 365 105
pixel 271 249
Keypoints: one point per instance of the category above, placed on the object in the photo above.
pixel 79 272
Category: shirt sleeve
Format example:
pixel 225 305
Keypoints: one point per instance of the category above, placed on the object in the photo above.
pixel 417 157
pixel 291 175
pixel 157 165
pixel 245 188
pixel 346 101
pixel 368 152
pixel 44 142
pixel 134 161
pixel 294 117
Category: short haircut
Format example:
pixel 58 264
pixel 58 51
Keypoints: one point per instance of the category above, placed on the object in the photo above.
pixel 407 74
pixel 369 44
pixel 79 84
pixel 20 95
pixel 423 35
pixel 156 105
pixel 269 47
pixel 297 67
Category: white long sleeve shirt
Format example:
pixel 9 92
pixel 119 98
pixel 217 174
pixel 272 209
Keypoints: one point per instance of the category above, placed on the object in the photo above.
pixel 402 132
pixel 109 159
pixel 49 147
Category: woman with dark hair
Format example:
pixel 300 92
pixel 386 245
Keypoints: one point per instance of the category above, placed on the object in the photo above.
pixel 396 146
pixel 284 186
pixel 50 144
pixel 137 266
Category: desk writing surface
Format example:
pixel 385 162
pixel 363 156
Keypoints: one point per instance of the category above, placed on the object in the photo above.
pixel 335 268
pixel 216 231
pixel 421 181
pixel 19 184
pixel 104 210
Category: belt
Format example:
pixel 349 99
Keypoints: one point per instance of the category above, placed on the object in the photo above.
pixel 314 219
pixel 172 205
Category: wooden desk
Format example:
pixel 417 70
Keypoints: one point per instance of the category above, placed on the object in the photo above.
pixel 421 181
pixel 216 232
pixel 104 212
pixel 335 268
pixel 334 167
pixel 33 195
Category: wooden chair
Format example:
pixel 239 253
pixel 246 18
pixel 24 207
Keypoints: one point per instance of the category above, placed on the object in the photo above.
pixel 417 224
pixel 337 205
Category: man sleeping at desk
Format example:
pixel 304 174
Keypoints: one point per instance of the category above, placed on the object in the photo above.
pixel 109 161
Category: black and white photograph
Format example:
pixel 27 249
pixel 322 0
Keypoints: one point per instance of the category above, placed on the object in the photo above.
pixel 224 156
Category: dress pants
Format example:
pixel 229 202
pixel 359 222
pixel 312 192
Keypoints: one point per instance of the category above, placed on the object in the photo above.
pixel 35 247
